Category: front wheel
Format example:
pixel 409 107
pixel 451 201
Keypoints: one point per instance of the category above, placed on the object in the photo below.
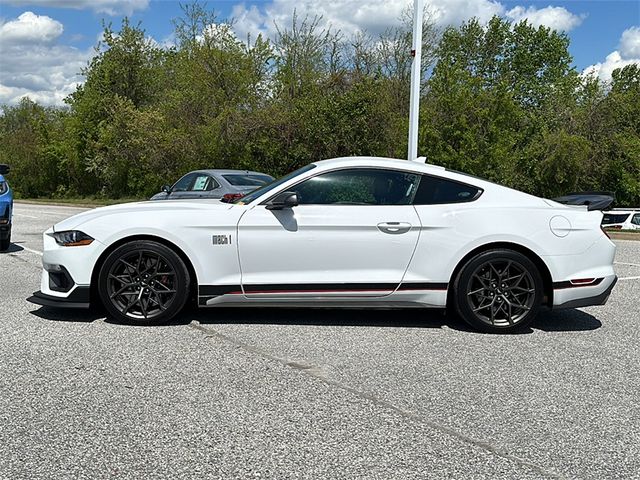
pixel 5 243
pixel 143 282
pixel 498 291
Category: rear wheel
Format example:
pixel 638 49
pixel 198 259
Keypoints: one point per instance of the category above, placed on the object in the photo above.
pixel 498 291
pixel 143 282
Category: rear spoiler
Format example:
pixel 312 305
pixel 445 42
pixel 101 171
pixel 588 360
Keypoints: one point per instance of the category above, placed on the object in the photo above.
pixel 592 200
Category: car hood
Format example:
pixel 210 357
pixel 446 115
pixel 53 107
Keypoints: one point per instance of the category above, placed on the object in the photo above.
pixel 169 207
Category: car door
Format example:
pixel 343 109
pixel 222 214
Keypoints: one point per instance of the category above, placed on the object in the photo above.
pixel 352 234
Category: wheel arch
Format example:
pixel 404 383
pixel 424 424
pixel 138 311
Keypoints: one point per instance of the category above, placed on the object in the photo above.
pixel 545 273
pixel 193 278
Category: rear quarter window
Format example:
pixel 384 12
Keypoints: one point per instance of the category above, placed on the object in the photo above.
pixel 438 191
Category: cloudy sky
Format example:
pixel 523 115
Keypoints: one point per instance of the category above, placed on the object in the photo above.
pixel 44 44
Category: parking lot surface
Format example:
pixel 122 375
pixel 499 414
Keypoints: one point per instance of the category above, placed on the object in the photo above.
pixel 322 394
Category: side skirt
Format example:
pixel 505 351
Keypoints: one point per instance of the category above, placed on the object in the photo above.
pixel 353 295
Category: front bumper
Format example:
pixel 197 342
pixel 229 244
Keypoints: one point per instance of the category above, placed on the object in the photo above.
pixel 78 298
pixel 66 274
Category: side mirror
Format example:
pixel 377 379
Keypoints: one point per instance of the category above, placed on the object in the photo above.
pixel 166 189
pixel 4 169
pixel 284 200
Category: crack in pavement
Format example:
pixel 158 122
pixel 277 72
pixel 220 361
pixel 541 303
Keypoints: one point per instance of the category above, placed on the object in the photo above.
pixel 318 373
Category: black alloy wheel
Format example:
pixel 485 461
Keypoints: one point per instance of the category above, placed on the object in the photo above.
pixel 498 291
pixel 143 282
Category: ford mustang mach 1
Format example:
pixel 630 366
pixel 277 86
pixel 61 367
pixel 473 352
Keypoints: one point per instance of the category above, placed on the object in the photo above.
pixel 348 232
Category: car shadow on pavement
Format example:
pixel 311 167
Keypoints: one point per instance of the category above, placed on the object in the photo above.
pixel 13 248
pixel 547 321
pixel 409 318
pixel 570 320
pixel 68 314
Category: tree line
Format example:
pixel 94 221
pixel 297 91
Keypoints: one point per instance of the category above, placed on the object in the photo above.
pixel 498 100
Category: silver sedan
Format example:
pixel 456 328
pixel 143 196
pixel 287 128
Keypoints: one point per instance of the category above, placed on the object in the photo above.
pixel 220 184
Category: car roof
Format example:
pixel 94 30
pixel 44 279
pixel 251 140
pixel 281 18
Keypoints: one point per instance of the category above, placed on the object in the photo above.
pixel 222 171
pixel 414 166
pixel 378 162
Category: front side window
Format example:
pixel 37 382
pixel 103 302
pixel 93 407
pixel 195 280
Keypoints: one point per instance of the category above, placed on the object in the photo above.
pixel 271 186
pixel 184 183
pixel 636 219
pixel 358 186
pixel 438 191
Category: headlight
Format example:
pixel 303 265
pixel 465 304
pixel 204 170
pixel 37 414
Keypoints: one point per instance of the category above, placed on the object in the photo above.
pixel 72 238
pixel 3 188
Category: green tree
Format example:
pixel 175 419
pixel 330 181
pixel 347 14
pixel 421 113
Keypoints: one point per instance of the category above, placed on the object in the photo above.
pixel 29 136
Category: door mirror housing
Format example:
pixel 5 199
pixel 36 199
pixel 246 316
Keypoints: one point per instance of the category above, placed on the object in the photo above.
pixel 283 200
pixel 4 169
pixel 166 189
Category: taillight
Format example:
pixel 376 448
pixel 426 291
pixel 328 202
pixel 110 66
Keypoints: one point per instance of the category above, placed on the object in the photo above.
pixel 231 197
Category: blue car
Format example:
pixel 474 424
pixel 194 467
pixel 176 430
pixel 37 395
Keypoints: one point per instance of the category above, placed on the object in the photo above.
pixel 6 208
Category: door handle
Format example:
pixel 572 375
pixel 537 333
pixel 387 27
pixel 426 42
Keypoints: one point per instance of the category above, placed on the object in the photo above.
pixel 394 228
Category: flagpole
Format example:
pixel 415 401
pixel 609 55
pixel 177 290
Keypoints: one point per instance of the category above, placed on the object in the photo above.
pixel 414 102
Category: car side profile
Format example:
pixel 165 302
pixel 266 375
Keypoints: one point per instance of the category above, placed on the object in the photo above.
pixel 6 209
pixel 348 232
pixel 213 184
pixel 622 219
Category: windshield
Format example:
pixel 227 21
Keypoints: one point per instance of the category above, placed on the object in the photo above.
pixel 248 179
pixel 276 183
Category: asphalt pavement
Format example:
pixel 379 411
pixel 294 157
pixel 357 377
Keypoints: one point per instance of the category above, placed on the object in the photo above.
pixel 324 394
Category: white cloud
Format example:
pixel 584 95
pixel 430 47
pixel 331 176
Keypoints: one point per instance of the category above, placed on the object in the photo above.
pixel 33 64
pixel 630 43
pixel 556 18
pixel 628 53
pixel 110 7
pixel 352 16
pixel 374 16
pixel 29 28
pixel 454 12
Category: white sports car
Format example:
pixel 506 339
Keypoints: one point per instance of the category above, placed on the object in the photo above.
pixel 348 232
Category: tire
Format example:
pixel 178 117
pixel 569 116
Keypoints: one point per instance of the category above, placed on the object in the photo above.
pixel 5 243
pixel 498 291
pixel 143 282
